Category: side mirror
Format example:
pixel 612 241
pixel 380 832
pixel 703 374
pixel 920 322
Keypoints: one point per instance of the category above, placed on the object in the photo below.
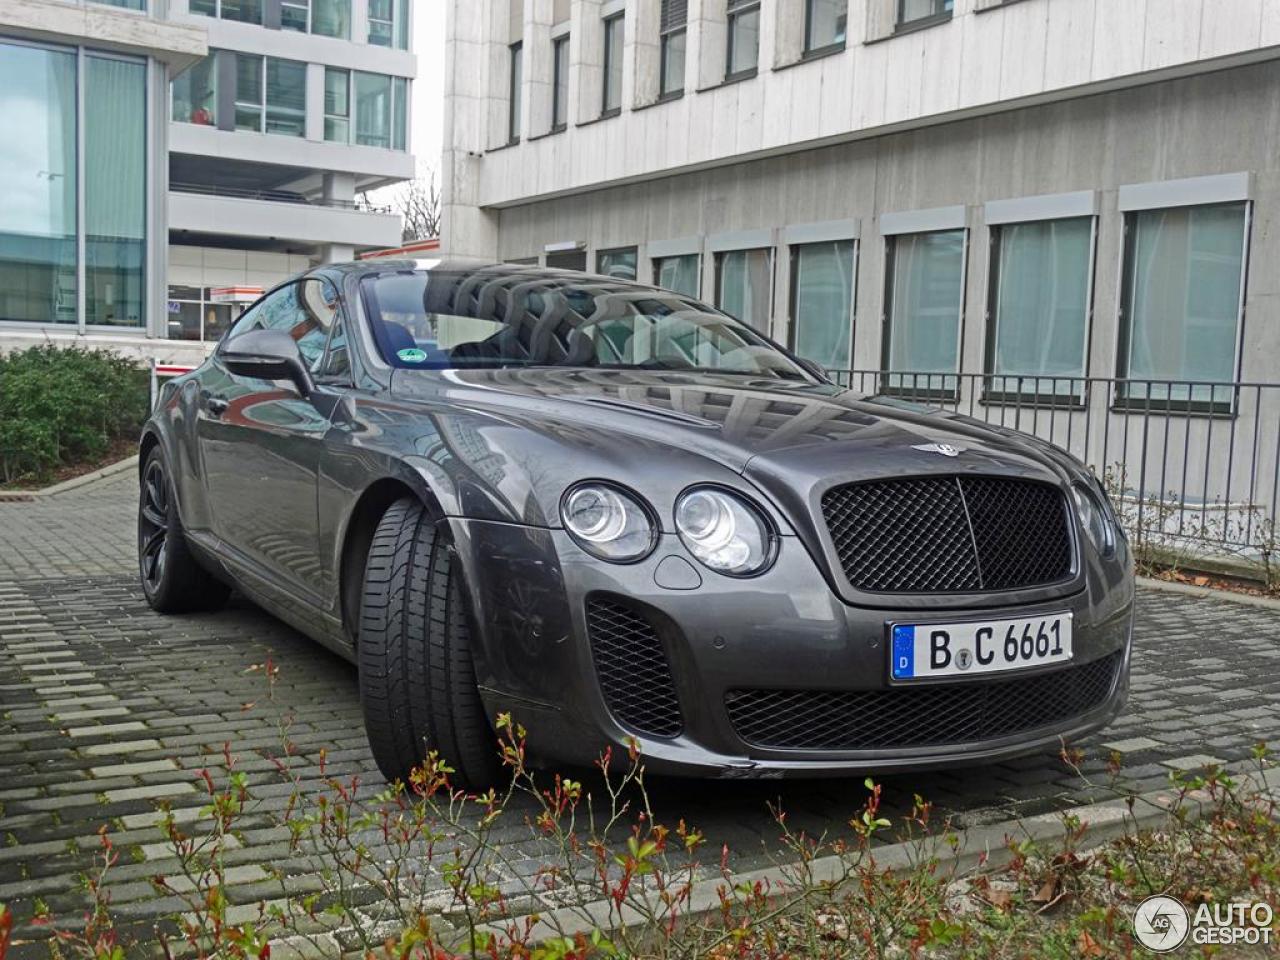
pixel 813 368
pixel 267 355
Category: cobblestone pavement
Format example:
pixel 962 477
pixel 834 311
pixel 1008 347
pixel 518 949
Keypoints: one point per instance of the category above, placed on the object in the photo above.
pixel 108 709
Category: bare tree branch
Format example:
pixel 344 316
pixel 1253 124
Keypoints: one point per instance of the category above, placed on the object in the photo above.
pixel 418 203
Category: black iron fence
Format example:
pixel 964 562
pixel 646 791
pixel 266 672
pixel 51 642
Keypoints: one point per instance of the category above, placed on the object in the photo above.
pixel 1192 466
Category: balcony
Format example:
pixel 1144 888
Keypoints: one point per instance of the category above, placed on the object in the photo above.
pixel 280 215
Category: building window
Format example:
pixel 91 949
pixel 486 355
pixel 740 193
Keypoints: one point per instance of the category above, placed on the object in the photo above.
pixel 824 24
pixel 1180 315
pixel 195 93
pixel 744 38
pixel 38 220
pixel 337 105
pixel 919 12
pixel 295 15
pixel 271 95
pixel 326 18
pixel 560 83
pixel 619 264
pixel 388 23
pixel 126 4
pixel 614 28
pixel 380 104
pixel 744 285
pixel 672 31
pixel 678 274
pixel 1039 307
pixel 245 11
pixel 822 276
pixel 399 112
pixel 567 260
pixel 514 86
pixel 193 315
pixel 115 191
pixel 926 295
pixel 331 18
pixel 373 99
pixel 41 233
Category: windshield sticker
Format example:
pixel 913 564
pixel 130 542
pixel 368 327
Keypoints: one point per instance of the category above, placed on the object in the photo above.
pixel 412 355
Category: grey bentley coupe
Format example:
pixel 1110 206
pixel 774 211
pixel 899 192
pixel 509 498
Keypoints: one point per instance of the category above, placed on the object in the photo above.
pixel 617 513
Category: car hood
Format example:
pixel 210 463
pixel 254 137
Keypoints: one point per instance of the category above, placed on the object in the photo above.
pixel 757 426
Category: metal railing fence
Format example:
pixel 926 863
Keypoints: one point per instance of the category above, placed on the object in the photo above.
pixel 1193 466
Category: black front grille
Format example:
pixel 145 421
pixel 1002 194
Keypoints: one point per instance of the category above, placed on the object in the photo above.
pixel 949 534
pixel 926 715
pixel 633 669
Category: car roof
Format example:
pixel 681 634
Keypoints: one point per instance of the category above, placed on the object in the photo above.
pixel 464 265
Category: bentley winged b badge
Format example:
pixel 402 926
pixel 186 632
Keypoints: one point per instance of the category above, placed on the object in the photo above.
pixel 946 449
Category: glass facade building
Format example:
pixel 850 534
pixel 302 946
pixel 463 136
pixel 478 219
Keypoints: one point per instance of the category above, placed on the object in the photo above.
pixel 73 234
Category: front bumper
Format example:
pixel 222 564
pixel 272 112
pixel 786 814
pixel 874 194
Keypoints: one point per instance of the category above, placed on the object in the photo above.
pixel 783 630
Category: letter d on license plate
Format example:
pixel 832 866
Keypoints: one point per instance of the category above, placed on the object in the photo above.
pixel 926 650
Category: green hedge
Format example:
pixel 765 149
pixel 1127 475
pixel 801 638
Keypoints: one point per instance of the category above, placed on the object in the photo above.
pixel 65 407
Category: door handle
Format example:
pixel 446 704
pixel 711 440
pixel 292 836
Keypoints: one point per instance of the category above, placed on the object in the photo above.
pixel 214 405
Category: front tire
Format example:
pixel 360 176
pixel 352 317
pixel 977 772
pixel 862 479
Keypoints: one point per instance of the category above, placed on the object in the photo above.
pixel 417 681
pixel 171 578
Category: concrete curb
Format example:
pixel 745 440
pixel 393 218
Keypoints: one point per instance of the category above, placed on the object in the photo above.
pixel 26 496
pixel 982 847
pixel 1210 593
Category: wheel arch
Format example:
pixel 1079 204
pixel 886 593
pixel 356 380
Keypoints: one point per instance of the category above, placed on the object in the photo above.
pixel 358 535
pixel 149 440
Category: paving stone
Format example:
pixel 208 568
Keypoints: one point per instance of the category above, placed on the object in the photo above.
pixel 74 716
pixel 107 729
pixel 133 769
pixel 147 792
pixel 1192 764
pixel 120 746
pixel 1133 745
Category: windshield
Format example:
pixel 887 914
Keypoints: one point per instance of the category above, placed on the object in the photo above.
pixel 504 317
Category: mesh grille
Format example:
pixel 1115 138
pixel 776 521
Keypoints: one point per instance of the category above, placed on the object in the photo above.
pixel 949 534
pixel 633 669
pixel 931 715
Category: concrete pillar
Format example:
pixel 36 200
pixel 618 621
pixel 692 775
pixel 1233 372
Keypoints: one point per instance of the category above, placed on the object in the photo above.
pixel 586 61
pixel 644 52
pixel 707 40
pixel 337 253
pixel 314 124
pixel 338 186
pixel 539 66
pixel 360 21
pixel 470 99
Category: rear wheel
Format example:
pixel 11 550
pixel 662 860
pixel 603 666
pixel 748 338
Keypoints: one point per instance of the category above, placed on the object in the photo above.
pixel 171 579
pixel 417 681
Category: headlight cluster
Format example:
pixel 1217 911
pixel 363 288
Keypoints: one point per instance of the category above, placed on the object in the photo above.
pixel 608 523
pixel 723 531
pixel 1095 518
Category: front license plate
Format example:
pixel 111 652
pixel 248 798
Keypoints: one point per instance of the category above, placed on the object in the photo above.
pixel 921 651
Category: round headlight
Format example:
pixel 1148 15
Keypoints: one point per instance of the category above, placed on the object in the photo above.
pixel 1094 519
pixel 725 532
pixel 608 523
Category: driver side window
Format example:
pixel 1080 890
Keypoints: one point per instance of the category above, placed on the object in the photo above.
pixel 305 310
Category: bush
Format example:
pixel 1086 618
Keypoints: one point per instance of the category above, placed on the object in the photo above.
pixel 65 407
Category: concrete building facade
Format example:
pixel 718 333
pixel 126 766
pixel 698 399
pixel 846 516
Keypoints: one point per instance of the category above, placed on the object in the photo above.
pixel 238 156
pixel 1068 204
